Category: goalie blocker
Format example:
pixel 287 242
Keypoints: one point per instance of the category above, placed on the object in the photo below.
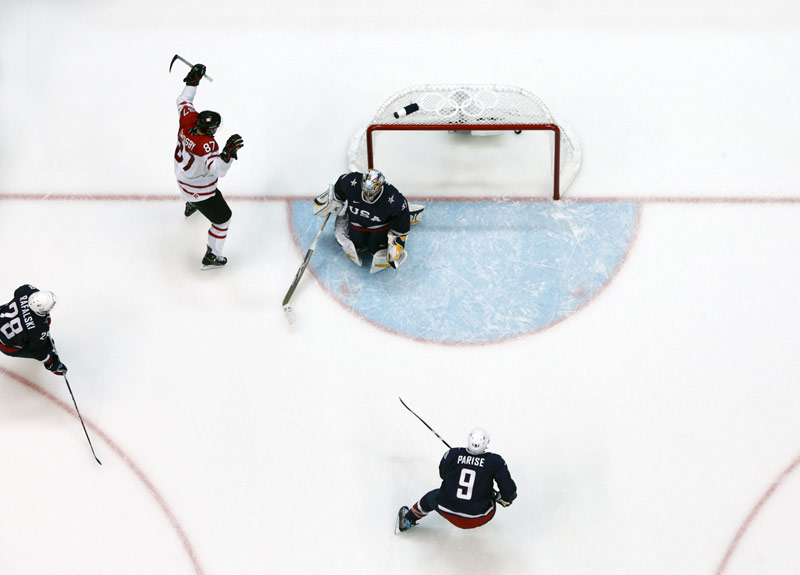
pixel 371 216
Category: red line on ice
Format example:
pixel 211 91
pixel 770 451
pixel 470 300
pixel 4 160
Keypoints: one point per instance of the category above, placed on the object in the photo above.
pixel 96 431
pixel 753 514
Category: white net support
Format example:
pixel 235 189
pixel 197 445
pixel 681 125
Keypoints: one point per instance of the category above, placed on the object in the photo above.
pixel 478 109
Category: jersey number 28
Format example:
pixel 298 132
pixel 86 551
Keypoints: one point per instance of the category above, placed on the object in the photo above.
pixel 13 327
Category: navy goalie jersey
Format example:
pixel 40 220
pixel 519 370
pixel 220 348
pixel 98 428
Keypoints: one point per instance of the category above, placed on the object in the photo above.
pixel 389 211
pixel 468 482
pixel 22 332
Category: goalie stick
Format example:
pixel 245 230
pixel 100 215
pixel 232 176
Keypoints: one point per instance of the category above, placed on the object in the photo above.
pixel 185 61
pixel 423 422
pixel 287 309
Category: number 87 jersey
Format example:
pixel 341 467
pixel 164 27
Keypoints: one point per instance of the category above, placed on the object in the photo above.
pixel 468 482
pixel 198 165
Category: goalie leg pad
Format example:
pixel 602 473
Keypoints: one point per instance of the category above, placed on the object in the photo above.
pixel 351 252
pixel 379 262
pixel 340 233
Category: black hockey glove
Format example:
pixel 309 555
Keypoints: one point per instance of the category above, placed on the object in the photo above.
pixel 229 151
pixel 54 364
pixel 194 75
pixel 503 502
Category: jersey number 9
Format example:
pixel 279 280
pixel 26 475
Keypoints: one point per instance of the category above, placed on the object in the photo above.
pixel 467 482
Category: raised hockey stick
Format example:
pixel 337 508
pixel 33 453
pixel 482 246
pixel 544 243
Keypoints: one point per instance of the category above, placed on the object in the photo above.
pixel 185 61
pixel 287 309
pixel 423 422
pixel 81 418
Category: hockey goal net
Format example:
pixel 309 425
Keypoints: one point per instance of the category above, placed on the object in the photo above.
pixel 453 111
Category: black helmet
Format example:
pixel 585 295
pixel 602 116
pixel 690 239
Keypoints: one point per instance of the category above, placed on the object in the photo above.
pixel 208 122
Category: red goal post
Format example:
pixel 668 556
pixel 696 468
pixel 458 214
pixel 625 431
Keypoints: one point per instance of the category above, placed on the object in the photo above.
pixel 471 108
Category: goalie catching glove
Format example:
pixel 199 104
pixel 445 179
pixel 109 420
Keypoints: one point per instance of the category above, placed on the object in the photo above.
pixel 326 203
pixel 391 256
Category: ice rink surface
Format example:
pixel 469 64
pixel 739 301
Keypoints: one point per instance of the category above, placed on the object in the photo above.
pixel 651 427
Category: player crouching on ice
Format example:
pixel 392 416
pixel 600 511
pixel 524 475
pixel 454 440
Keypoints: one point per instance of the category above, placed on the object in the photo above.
pixel 377 218
pixel 467 498
pixel 25 327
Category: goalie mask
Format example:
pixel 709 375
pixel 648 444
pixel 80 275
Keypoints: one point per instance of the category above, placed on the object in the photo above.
pixel 372 186
pixel 208 122
pixel 477 440
pixel 41 302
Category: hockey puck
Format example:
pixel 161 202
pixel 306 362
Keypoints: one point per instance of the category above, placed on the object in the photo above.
pixel 410 109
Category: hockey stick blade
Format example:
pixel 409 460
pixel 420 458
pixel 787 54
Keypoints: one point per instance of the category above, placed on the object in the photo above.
pixel 300 272
pixel 185 61
pixel 423 423
pixel 290 317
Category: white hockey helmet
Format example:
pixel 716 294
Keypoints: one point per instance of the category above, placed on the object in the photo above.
pixel 371 185
pixel 477 440
pixel 42 301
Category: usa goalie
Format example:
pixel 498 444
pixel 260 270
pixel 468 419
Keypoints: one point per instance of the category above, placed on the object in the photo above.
pixel 376 218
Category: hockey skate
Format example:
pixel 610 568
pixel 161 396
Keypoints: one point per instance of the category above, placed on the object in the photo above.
pixel 189 209
pixel 211 262
pixel 402 523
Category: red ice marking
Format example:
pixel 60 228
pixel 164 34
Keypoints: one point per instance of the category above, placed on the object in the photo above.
pixel 275 198
pixel 753 514
pixel 96 431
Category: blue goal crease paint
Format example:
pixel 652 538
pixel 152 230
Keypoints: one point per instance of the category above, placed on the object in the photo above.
pixel 480 272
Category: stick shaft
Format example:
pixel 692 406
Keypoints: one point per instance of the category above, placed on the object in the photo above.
pixel 81 418
pixel 423 422
pixel 185 61
pixel 303 267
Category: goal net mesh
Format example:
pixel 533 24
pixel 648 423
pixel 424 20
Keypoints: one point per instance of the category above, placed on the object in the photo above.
pixel 470 108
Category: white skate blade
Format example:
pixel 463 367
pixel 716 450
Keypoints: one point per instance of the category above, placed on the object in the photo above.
pixel 289 312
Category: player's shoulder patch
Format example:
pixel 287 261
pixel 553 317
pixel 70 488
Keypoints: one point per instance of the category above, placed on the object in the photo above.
pixel 495 458
pixel 188 116
pixel 353 179
pixel 26 289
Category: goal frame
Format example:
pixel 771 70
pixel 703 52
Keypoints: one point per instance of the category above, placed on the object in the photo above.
pixel 372 128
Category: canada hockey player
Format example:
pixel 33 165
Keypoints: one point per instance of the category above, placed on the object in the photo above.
pixel 25 327
pixel 376 219
pixel 199 164
pixel 466 498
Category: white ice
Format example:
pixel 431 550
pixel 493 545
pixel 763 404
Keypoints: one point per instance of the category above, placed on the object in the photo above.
pixel 655 431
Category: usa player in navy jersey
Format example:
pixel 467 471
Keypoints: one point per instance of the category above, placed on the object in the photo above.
pixel 376 219
pixel 467 497
pixel 25 327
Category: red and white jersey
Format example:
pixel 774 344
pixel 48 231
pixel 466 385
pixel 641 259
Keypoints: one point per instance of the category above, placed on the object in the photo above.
pixel 197 162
